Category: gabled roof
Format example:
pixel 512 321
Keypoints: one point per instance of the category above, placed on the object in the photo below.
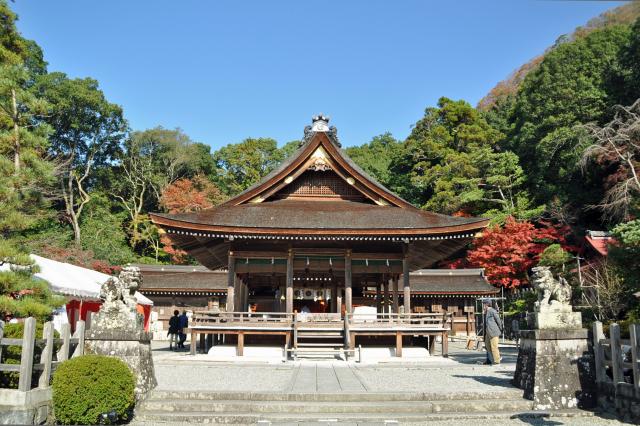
pixel 319 147
pixel 258 210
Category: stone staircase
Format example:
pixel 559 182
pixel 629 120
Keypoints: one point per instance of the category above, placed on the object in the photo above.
pixel 317 342
pixel 362 407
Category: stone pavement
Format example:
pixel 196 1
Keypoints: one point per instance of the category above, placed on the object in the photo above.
pixel 436 375
pixel 461 373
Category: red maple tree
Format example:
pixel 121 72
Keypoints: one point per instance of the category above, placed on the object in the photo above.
pixel 184 196
pixel 507 253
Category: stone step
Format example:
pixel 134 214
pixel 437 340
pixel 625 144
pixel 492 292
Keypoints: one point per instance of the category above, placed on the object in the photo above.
pixel 332 336
pixel 327 408
pixel 242 417
pixel 195 395
pixel 320 345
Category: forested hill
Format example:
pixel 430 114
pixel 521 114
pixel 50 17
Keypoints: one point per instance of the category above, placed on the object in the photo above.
pixel 558 154
pixel 623 15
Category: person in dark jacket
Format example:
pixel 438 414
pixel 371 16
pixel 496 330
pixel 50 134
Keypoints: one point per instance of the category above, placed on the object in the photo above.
pixel 492 331
pixel 174 329
pixel 184 324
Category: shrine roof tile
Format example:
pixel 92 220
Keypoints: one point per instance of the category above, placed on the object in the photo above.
pixel 329 215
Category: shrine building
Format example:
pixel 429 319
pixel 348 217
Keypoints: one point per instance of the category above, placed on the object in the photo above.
pixel 316 233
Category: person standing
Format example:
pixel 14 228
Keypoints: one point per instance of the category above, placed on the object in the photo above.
pixel 174 329
pixel 492 331
pixel 184 324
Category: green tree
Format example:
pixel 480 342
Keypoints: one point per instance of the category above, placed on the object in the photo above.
pixel 103 231
pixel 375 157
pixel 87 134
pixel 289 149
pixel 571 86
pixel 243 164
pixel 21 294
pixel 23 134
pixel 449 163
pixel 15 49
pixel 150 161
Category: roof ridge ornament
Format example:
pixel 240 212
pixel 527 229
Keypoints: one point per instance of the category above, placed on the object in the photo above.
pixel 320 124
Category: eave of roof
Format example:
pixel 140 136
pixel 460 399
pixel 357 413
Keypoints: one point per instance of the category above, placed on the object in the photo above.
pixel 327 218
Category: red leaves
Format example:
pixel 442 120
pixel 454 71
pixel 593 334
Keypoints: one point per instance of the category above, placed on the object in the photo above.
pixel 177 256
pixel 508 252
pixel 184 196
pixel 190 195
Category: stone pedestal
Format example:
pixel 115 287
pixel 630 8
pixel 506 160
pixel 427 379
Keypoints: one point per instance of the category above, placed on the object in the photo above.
pixel 555 367
pixel 556 317
pixel 134 348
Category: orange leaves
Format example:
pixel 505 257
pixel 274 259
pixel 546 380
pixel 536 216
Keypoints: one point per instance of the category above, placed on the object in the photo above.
pixel 184 196
pixel 190 195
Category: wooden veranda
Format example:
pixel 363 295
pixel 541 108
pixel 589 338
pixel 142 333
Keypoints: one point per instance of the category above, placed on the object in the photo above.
pixel 207 327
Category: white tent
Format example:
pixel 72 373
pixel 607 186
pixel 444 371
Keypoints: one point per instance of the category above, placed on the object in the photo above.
pixel 74 281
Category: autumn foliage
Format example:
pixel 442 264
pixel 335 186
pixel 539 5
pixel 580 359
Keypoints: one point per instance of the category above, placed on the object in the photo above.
pixel 185 196
pixel 190 195
pixel 508 252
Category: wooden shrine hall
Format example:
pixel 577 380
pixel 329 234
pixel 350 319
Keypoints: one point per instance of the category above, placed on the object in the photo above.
pixel 318 223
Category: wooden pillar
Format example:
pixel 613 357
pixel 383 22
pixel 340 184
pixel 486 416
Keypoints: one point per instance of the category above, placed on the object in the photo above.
pixel 334 298
pixel 246 297
pixel 237 301
pixel 387 300
pixel 289 290
pixel 26 357
pixel 398 344
pixel 378 298
pixel 347 283
pixel 231 278
pixel 47 355
pixel 240 347
pixel 406 285
pixel 395 294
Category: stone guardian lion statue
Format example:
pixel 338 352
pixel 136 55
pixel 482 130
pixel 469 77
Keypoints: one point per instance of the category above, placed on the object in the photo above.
pixel 552 294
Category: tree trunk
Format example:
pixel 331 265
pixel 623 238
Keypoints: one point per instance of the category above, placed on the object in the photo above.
pixel 76 231
pixel 16 132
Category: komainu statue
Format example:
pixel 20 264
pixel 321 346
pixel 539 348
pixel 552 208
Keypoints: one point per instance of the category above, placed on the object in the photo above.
pixel 552 294
pixel 118 311
pixel 553 308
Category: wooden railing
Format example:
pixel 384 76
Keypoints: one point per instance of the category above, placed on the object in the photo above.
pixel 205 318
pixel 46 364
pixel 421 320
pixel 615 356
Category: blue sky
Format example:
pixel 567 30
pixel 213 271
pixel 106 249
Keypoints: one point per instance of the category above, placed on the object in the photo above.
pixel 225 70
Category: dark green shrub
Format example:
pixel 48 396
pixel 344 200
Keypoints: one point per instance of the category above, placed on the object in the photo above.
pixel 87 386
pixel 12 354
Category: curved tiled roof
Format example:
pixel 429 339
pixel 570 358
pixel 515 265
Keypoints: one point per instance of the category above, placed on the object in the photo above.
pixel 327 215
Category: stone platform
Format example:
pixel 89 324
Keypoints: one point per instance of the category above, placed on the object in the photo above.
pixel 134 348
pixel 554 368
